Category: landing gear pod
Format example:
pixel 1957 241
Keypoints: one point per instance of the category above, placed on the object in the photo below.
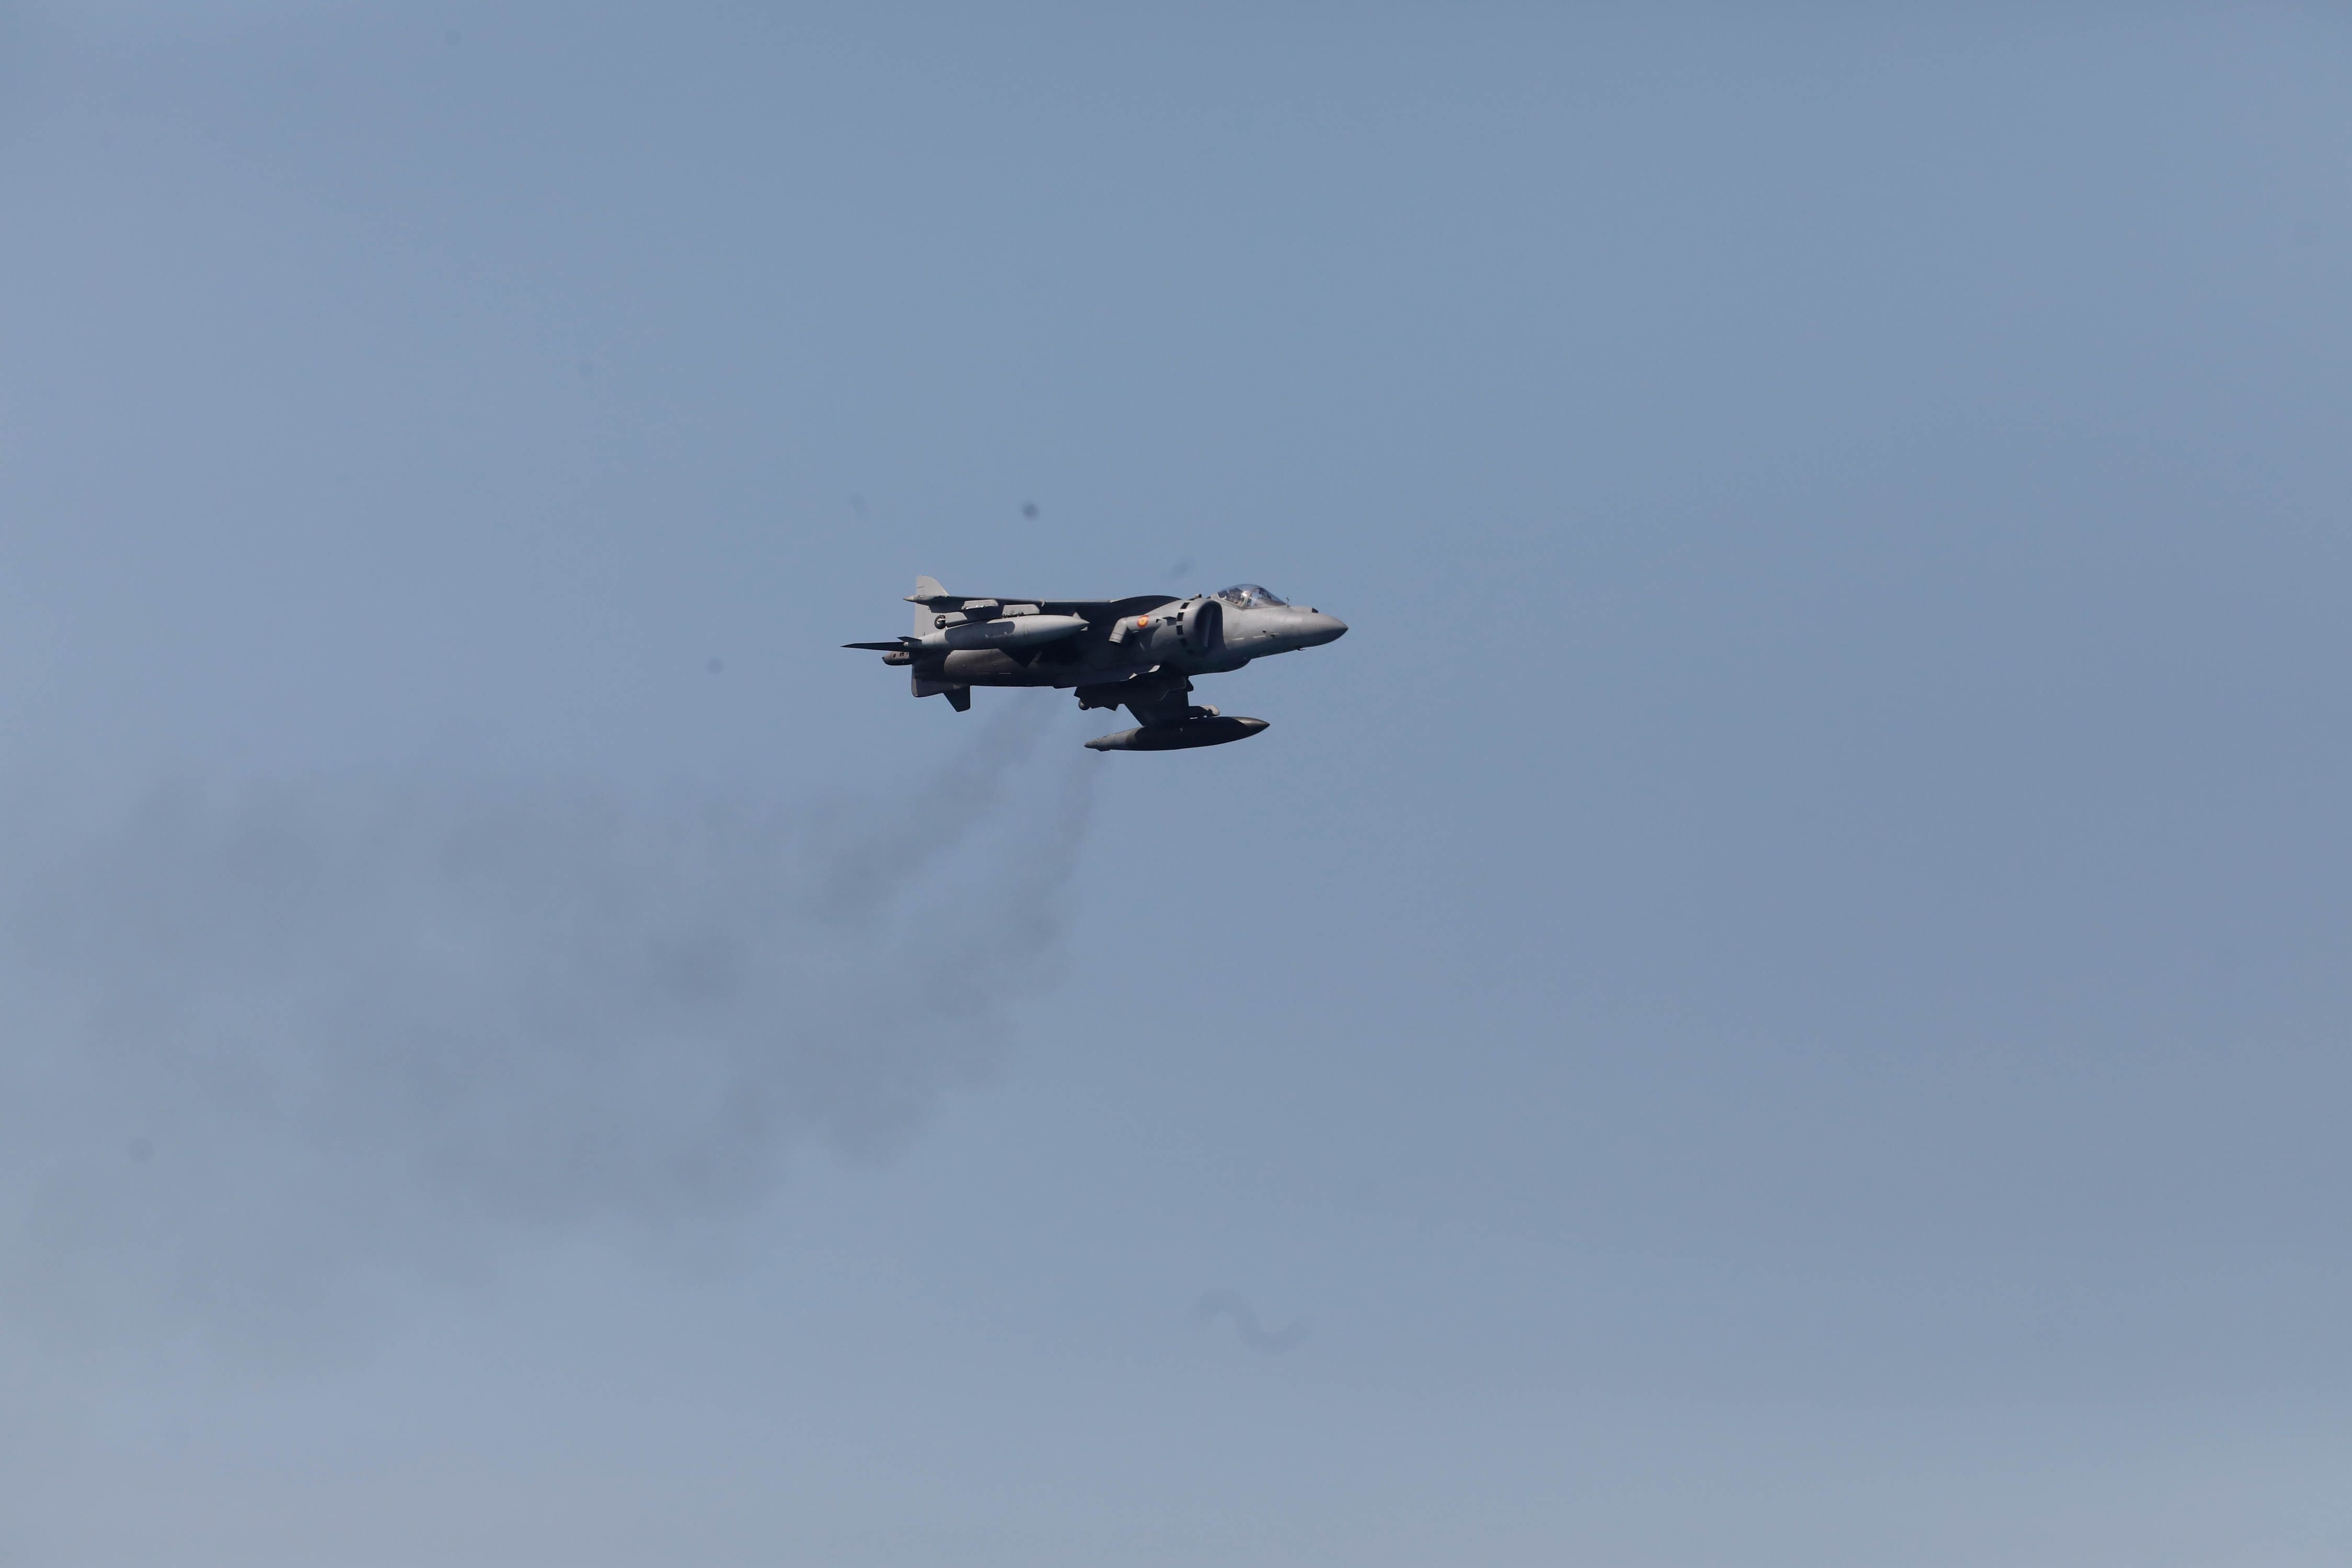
pixel 1215 730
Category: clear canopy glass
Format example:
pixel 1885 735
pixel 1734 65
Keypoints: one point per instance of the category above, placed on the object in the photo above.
pixel 1248 596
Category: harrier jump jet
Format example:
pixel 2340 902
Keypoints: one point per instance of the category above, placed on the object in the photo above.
pixel 1141 652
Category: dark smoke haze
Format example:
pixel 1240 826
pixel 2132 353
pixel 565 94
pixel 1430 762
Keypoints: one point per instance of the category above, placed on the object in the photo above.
pixel 273 1047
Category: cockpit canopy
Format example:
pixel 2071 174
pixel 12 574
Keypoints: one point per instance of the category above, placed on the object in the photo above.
pixel 1249 596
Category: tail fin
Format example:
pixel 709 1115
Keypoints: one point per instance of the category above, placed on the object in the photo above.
pixel 926 588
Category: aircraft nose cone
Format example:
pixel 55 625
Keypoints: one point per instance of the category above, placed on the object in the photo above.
pixel 1322 628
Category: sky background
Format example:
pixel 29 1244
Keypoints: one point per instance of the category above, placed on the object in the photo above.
pixel 1781 998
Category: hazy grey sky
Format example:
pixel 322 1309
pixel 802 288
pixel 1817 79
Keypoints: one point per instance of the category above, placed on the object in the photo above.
pixel 1782 998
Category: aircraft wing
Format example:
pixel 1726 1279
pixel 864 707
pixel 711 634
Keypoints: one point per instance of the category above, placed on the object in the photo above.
pixel 931 597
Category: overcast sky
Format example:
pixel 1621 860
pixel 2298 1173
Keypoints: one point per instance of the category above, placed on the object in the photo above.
pixel 1781 998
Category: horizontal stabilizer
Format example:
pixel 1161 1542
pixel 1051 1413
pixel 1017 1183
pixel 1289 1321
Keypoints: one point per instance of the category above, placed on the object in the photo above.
pixel 880 646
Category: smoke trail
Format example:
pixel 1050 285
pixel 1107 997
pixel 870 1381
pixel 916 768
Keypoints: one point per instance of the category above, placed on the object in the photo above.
pixel 260 1051
pixel 1232 1304
pixel 869 848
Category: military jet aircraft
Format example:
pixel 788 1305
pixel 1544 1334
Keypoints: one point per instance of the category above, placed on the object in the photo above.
pixel 1138 652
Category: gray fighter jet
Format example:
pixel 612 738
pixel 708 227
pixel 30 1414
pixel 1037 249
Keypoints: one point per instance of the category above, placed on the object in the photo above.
pixel 1141 652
